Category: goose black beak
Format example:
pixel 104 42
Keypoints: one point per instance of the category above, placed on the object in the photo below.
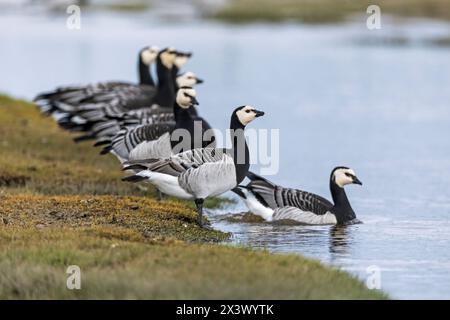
pixel 184 54
pixel 199 81
pixel 357 181
pixel 194 101
pixel 258 113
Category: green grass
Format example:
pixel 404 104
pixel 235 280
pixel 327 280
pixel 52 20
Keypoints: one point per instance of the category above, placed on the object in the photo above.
pixel 326 11
pixel 117 264
pixel 119 6
pixel 62 204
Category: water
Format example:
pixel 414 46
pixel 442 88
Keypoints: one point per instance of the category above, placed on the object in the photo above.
pixel 377 101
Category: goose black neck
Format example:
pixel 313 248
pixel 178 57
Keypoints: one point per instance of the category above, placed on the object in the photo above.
pixel 342 208
pixel 183 120
pixel 240 153
pixel 181 115
pixel 166 90
pixel 174 76
pixel 145 76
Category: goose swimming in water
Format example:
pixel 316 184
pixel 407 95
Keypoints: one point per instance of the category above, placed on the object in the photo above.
pixel 275 203
pixel 204 172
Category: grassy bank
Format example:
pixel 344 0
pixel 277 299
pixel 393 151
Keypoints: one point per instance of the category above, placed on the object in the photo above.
pixel 326 11
pixel 62 204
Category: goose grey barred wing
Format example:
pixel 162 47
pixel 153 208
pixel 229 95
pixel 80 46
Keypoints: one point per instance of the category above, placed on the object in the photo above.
pixel 275 196
pixel 303 217
pixel 129 138
pixel 181 162
pixel 99 114
pixel 129 95
pixel 303 200
pixel 143 116
pixel 107 128
pixel 78 92
pixel 88 111
pixel 210 178
pixel 199 156
pixel 113 124
pixel 110 105
pixel 159 148
pixel 81 95
pixel 263 189
pixel 67 98
pixel 100 111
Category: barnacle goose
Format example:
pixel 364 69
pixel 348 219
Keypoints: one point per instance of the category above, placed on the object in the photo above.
pixel 126 99
pixel 204 172
pixel 129 97
pixel 162 139
pixel 104 129
pixel 74 95
pixel 273 202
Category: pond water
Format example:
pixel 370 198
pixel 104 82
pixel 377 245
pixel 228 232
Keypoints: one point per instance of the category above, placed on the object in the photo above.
pixel 377 101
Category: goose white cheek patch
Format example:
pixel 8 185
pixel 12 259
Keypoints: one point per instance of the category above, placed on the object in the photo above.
pixel 246 115
pixel 183 100
pixel 341 178
pixel 167 59
pixel 148 56
pixel 186 80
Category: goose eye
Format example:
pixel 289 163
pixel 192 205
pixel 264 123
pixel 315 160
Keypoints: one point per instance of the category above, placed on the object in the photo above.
pixel 186 95
pixel 248 111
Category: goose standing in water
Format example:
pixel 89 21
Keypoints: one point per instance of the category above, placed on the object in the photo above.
pixel 273 202
pixel 74 95
pixel 204 172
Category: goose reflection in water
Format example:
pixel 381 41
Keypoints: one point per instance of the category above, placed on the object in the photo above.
pixel 340 240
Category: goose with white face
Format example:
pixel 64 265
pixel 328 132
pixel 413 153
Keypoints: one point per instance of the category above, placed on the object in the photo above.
pixel 343 176
pixel 247 114
pixel 188 79
pixel 186 97
pixel 168 57
pixel 149 54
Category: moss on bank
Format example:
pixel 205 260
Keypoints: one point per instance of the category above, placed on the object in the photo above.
pixel 62 204
pixel 326 11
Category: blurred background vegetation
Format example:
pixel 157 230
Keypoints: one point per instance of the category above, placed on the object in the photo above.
pixel 307 11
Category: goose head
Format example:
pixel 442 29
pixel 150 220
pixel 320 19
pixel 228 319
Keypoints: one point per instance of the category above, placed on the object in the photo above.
pixel 167 57
pixel 188 79
pixel 342 176
pixel 246 114
pixel 182 58
pixel 186 97
pixel 148 54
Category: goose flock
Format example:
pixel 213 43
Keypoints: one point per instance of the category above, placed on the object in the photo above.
pixel 155 131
